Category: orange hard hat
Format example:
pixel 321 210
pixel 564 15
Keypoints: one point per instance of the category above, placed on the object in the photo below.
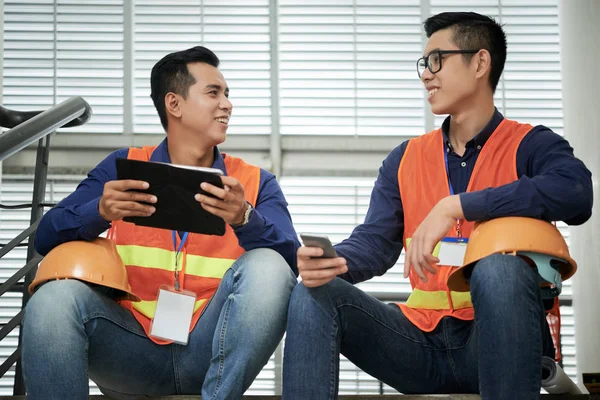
pixel 96 262
pixel 539 242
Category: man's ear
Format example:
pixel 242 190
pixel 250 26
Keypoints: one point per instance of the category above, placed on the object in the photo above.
pixel 172 105
pixel 484 63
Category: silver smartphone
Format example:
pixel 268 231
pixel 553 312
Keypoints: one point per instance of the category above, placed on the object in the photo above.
pixel 319 241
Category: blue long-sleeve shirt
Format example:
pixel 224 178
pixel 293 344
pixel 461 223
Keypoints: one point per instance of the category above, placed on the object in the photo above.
pixel 77 217
pixel 552 185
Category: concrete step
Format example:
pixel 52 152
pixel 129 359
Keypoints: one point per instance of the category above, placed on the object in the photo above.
pixel 358 397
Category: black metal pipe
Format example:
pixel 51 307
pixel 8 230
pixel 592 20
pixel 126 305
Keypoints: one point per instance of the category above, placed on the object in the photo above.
pixel 17 276
pixel 10 361
pixel 38 127
pixel 18 239
pixel 7 328
pixel 37 211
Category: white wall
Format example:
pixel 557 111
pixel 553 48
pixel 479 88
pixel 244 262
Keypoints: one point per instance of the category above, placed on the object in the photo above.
pixel 579 35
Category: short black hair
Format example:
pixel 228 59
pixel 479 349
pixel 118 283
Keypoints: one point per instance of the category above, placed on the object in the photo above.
pixel 171 74
pixel 472 31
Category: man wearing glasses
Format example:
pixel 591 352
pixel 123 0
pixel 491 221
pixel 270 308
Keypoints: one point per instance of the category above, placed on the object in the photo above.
pixel 478 166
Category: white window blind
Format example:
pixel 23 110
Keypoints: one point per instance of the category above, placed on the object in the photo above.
pixel 58 49
pixel 28 58
pixel 348 67
pixel 530 87
pixel 238 32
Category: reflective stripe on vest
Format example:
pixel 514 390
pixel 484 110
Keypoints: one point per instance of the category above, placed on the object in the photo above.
pixel 148 308
pixel 438 300
pixel 423 182
pixel 149 256
pixel 156 258
pixel 152 257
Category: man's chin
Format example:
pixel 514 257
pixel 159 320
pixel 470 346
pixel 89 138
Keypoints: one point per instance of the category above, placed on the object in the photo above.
pixel 218 138
pixel 440 109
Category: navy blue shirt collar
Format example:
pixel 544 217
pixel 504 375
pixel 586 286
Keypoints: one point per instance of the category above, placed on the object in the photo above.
pixel 481 138
pixel 161 154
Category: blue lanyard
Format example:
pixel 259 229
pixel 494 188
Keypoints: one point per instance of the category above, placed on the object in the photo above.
pixel 448 170
pixel 177 251
pixel 458 234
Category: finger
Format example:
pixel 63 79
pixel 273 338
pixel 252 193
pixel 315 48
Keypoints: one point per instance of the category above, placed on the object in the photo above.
pixel 129 213
pixel 433 259
pixel 318 278
pixel 430 260
pixel 132 196
pixel 315 264
pixel 236 198
pixel 427 258
pixel 219 212
pixel 409 258
pixel 420 259
pixel 419 271
pixel 128 184
pixel 120 213
pixel 316 283
pixel 233 184
pixel 214 190
pixel 310 251
pixel 211 201
pixel 319 274
pixel 415 261
pixel 132 206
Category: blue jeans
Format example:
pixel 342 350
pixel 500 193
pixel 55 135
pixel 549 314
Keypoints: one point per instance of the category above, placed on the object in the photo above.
pixel 72 332
pixel 498 355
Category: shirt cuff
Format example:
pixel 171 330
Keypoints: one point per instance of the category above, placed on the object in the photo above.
pixel 474 205
pixel 256 222
pixel 90 220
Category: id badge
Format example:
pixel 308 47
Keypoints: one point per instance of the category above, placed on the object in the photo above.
pixel 452 251
pixel 173 315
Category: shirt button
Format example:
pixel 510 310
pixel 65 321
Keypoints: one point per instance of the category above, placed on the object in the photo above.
pixel 479 147
pixel 463 164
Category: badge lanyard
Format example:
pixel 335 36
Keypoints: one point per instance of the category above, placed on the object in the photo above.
pixel 458 234
pixel 177 251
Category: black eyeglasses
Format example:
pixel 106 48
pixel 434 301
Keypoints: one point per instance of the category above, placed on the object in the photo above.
pixel 433 60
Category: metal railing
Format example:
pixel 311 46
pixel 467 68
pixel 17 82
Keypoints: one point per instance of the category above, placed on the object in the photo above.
pixel 27 127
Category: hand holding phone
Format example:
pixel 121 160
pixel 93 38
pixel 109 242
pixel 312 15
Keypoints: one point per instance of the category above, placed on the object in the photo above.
pixel 317 270
pixel 322 242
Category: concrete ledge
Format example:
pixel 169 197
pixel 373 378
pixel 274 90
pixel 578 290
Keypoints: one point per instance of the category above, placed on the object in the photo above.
pixel 359 397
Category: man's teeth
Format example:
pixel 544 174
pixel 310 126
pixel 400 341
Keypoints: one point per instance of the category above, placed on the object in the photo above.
pixel 432 92
pixel 223 120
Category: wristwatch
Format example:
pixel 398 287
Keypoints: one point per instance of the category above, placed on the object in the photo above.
pixel 247 216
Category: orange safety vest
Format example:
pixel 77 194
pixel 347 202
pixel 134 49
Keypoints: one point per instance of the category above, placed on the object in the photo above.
pixel 149 256
pixel 423 182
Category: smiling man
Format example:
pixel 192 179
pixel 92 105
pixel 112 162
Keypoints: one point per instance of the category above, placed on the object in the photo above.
pixel 478 166
pixel 241 281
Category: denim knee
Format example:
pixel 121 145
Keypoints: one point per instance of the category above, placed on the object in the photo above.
pixel 304 299
pixel 503 278
pixel 56 305
pixel 266 271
